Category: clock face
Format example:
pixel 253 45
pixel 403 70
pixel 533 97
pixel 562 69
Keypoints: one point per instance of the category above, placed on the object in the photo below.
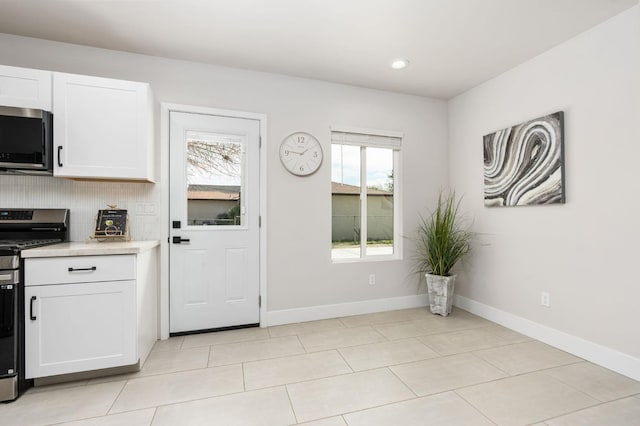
pixel 301 154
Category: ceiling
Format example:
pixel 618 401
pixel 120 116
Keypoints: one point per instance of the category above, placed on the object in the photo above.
pixel 452 45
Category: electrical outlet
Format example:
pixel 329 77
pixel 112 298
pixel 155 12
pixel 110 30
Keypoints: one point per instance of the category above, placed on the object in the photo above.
pixel 372 279
pixel 545 299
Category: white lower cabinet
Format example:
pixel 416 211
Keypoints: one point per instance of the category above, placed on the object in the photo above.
pixel 79 327
pixel 87 313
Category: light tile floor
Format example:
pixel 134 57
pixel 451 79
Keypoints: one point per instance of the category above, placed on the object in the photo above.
pixel 401 368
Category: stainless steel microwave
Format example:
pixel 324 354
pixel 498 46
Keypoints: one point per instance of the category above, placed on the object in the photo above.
pixel 26 141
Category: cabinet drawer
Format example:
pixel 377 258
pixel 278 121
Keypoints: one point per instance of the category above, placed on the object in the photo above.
pixel 79 269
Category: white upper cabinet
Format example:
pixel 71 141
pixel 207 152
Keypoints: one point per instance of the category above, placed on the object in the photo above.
pixel 103 128
pixel 25 88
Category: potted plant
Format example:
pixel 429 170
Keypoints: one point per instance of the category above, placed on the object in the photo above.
pixel 442 242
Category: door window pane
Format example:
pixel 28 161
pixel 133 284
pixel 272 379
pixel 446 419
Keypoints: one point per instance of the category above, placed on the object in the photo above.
pixel 345 201
pixel 215 164
pixel 379 201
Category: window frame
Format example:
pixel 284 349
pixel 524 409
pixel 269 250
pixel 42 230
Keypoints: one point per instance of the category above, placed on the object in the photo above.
pixel 397 191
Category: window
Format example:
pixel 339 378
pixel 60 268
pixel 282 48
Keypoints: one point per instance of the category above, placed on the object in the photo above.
pixel 215 164
pixel 364 188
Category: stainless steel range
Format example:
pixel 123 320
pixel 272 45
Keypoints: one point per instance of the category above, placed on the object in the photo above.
pixel 20 229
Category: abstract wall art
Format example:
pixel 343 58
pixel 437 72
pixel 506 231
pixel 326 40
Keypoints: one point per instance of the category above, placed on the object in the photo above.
pixel 524 164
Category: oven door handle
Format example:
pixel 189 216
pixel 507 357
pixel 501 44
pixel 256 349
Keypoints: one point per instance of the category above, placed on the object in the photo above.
pixel 31 316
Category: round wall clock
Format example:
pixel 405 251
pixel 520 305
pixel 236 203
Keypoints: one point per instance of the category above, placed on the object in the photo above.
pixel 301 154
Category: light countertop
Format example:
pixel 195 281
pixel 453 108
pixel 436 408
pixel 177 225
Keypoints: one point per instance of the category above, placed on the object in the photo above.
pixel 92 248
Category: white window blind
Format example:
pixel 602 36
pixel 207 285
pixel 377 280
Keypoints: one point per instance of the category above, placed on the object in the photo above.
pixel 365 139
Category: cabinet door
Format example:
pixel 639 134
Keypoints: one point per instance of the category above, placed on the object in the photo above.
pixel 25 88
pixel 79 327
pixel 102 128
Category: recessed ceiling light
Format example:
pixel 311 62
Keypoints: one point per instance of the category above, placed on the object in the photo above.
pixel 398 64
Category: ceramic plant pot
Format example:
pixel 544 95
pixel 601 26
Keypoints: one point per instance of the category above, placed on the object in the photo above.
pixel 440 290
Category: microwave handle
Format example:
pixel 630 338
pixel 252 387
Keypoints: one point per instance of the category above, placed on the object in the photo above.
pixel 59 149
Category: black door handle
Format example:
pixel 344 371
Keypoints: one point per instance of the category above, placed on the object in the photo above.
pixel 31 316
pixel 178 240
pixel 59 149
pixel 93 268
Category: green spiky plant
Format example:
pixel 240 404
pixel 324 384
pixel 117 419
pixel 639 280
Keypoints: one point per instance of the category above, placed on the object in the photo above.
pixel 442 239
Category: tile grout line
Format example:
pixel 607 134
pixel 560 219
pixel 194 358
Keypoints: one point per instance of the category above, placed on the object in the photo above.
pixel 403 382
pixel 533 372
pixel 387 404
pixel 271 358
pixel 374 324
pixel 546 370
pixel 300 342
pixel 263 359
pixel 501 345
pixel 319 420
pixel 302 332
pixel 162 373
pixel 167 404
pixel 473 350
pixel 244 384
pixel 495 333
pixel 155 413
pixel 345 360
pixel 491 364
pixel 599 404
pixel 209 352
pixel 363 371
pixel 228 343
pixel 400 363
pixel 473 406
pixel 394 403
pixel 293 409
pixel 429 347
pixel 308 380
pixel 116 398
pixel 426 333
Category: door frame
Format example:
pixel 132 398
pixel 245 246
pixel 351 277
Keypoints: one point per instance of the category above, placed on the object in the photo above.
pixel 165 109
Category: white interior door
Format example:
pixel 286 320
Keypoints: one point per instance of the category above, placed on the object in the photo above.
pixel 214 229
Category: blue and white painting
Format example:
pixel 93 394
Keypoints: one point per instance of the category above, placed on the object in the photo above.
pixel 523 164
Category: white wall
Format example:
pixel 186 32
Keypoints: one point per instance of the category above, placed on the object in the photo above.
pixel 584 252
pixel 300 271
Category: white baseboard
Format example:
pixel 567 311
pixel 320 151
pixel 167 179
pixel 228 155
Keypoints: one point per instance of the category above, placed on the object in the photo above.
pixel 312 313
pixel 598 354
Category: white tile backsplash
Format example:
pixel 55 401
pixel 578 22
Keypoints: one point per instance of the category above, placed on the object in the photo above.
pixel 84 199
